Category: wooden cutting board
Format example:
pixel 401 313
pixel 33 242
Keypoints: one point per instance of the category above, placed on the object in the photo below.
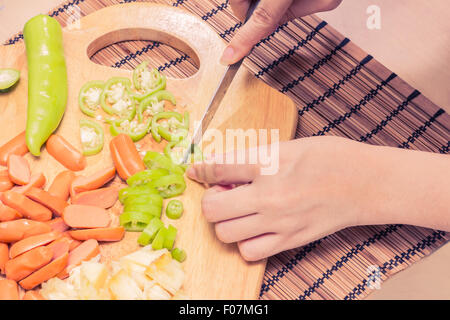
pixel 213 270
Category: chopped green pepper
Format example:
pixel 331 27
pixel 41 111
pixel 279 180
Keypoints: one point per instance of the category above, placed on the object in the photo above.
pixel 176 150
pixel 174 121
pixel 134 220
pixel 116 98
pixel 158 241
pixel 155 160
pixel 136 190
pixel 146 176
pixel 148 209
pixel 154 103
pixel 147 81
pixel 92 137
pixel 153 199
pixel 89 97
pixel 174 209
pixel 8 78
pixel 169 186
pixel 135 130
pixel 178 254
pixel 169 237
pixel 150 231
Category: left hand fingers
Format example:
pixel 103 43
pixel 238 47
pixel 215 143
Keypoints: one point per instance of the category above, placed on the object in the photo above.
pixel 229 204
pixel 242 228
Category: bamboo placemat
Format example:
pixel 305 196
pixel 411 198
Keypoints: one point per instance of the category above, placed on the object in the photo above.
pixel 340 90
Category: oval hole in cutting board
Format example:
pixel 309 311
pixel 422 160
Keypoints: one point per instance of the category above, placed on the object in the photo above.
pixel 126 49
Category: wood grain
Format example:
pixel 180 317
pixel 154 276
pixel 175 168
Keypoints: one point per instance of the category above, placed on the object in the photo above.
pixel 214 270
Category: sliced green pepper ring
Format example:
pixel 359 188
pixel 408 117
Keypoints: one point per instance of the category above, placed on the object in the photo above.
pixel 147 81
pixel 145 208
pixel 92 137
pixel 8 78
pixel 174 209
pixel 89 97
pixel 176 151
pixel 143 189
pixel 116 98
pixel 156 126
pixel 154 103
pixel 146 176
pixel 153 160
pixel 150 231
pixel 135 130
pixel 134 220
pixel 178 254
pixel 169 186
pixel 153 199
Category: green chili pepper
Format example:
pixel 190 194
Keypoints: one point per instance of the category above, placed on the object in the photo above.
pixel 158 241
pixel 169 186
pixel 153 199
pixel 146 176
pixel 150 210
pixel 47 80
pixel 176 151
pixel 156 127
pixel 178 254
pixel 134 220
pixel 155 160
pixel 169 237
pixel 89 97
pixel 92 137
pixel 8 78
pixel 116 98
pixel 135 130
pixel 154 102
pixel 150 231
pixel 174 209
pixel 136 190
pixel 147 81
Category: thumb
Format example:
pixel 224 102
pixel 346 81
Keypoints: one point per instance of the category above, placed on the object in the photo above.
pixel 263 22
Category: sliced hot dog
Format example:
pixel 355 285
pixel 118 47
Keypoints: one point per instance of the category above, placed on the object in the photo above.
pixel 32 242
pixel 125 156
pixel 4 256
pixel 46 272
pixel 25 264
pixel 80 216
pixel 18 169
pixel 9 290
pixel 55 204
pixel 5 183
pixel 16 230
pixel 84 252
pixel 60 186
pixel 66 154
pixel 32 295
pixel 99 234
pixel 72 242
pixel 103 197
pixel 36 181
pixel 93 181
pixel 59 246
pixel 58 224
pixel 17 145
pixel 8 214
pixel 27 207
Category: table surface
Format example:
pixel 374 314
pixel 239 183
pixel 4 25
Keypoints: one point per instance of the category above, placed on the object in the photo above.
pixel 414 42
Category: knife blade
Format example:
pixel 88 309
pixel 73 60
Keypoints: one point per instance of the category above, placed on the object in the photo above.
pixel 217 97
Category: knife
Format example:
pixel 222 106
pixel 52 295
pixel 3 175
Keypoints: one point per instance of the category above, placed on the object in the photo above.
pixel 219 94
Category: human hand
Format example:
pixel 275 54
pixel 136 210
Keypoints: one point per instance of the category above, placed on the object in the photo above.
pixel 323 184
pixel 265 19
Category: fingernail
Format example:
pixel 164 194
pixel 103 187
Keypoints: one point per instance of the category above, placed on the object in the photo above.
pixel 191 172
pixel 227 56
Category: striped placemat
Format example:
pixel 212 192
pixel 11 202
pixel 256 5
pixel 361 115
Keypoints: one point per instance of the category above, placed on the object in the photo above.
pixel 340 90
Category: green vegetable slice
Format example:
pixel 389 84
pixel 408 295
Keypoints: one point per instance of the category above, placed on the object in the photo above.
pixel 174 209
pixel 146 176
pixel 150 231
pixel 158 241
pixel 135 130
pixel 169 237
pixel 134 220
pixel 178 254
pixel 116 98
pixel 89 97
pixel 92 137
pixel 8 78
pixel 153 160
pixel 172 129
pixel 136 190
pixel 147 81
pixel 169 186
pixel 154 104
